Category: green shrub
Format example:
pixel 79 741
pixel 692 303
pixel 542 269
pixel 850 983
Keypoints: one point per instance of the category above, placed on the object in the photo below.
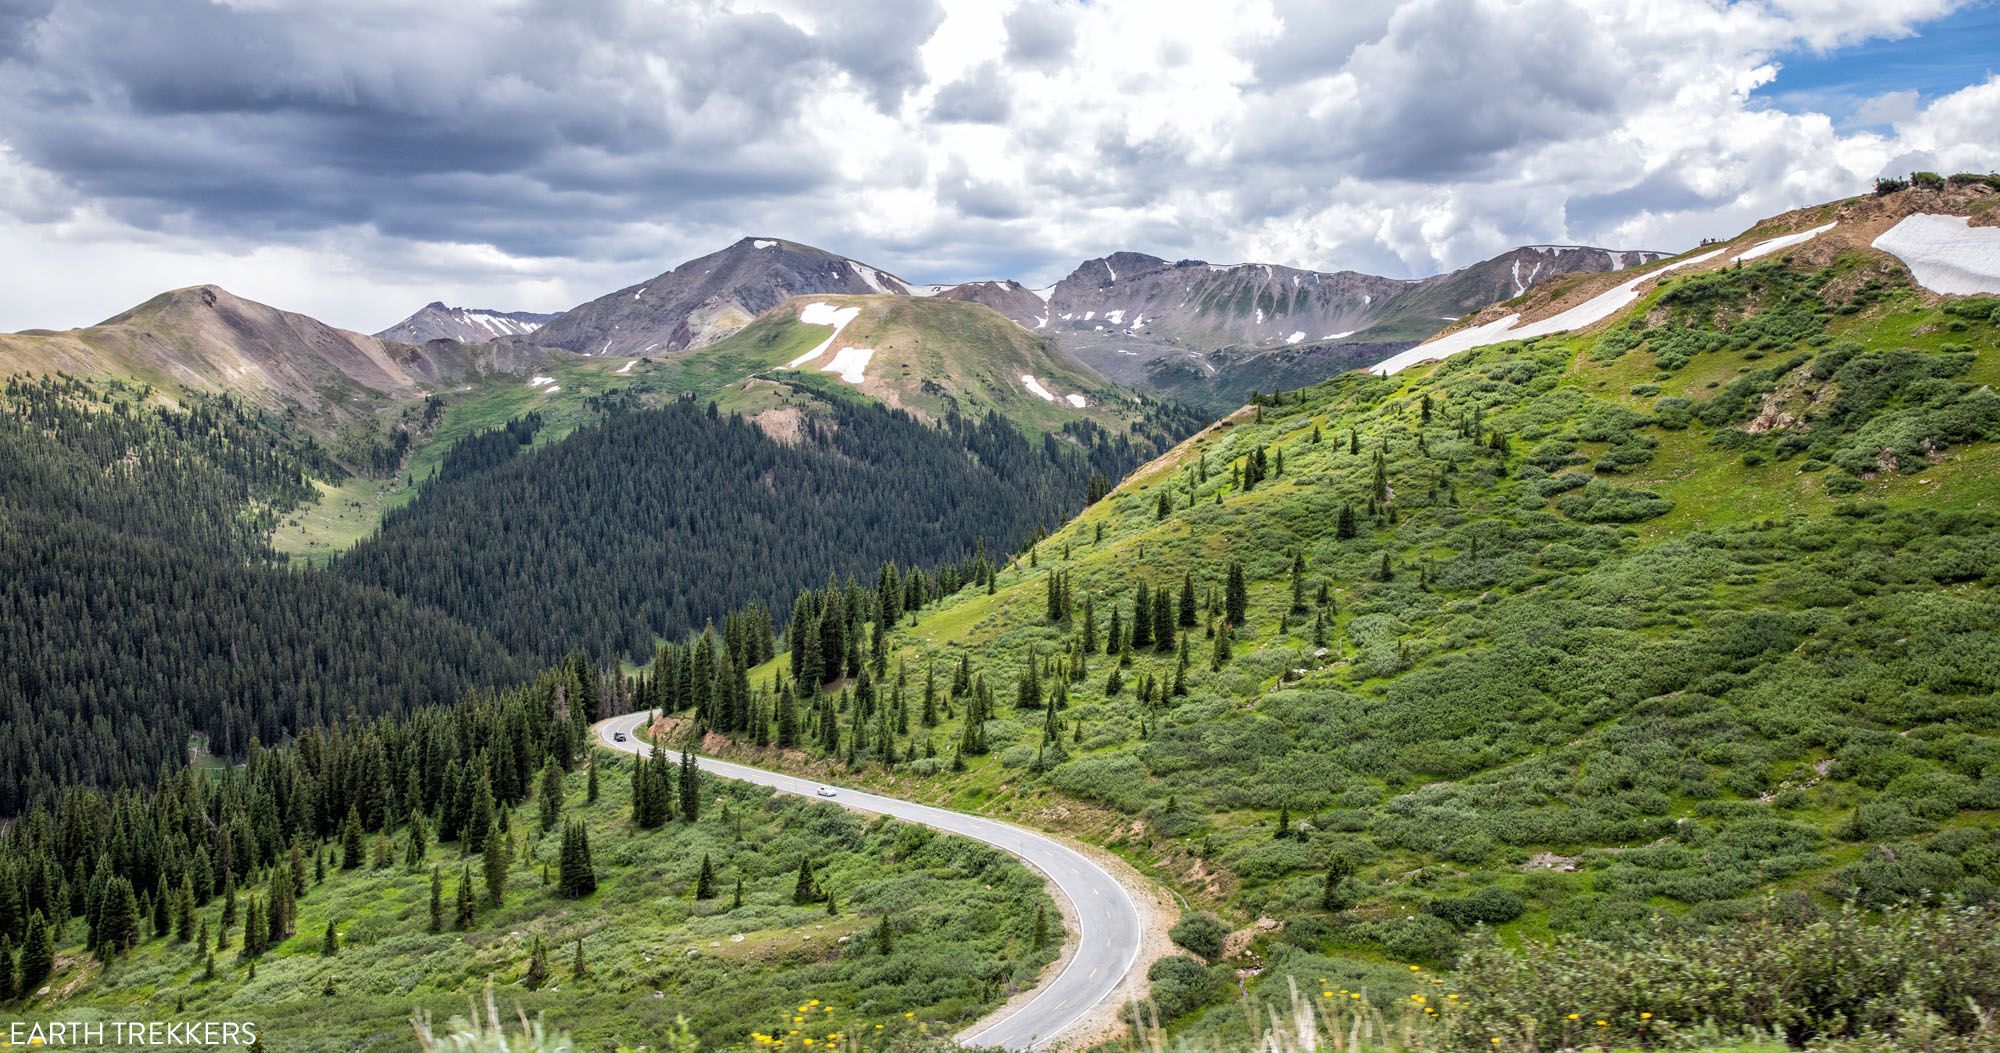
pixel 1200 933
pixel 1181 985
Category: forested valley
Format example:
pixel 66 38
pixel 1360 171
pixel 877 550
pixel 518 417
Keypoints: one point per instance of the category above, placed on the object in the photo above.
pixel 143 606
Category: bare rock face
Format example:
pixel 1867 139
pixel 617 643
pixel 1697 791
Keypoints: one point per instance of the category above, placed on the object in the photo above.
pixel 703 300
pixel 1028 308
pixel 471 325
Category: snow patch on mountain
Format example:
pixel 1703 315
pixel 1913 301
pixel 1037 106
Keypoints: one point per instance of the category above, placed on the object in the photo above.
pixel 850 363
pixel 1765 248
pixel 1296 337
pixel 1946 254
pixel 1076 400
pixel 1587 313
pixel 1028 380
pixel 818 313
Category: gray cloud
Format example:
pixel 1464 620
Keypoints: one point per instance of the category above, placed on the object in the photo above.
pixel 1040 34
pixel 512 130
pixel 978 98
pixel 553 148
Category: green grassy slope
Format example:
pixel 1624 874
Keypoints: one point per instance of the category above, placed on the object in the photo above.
pixel 1711 620
pixel 962 918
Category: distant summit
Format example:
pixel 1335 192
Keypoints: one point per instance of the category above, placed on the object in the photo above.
pixel 705 299
pixel 472 325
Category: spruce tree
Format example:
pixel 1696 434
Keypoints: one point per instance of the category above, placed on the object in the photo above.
pixel 578 876
pixel 1333 896
pixel 805 889
pixel 1237 601
pixel 256 936
pixel 690 787
pixel 7 980
pixel 353 850
pixel 467 912
pixel 538 966
pixel 1040 936
pixel 590 785
pixel 330 944
pixel 493 862
pixel 885 937
pixel 437 899
pixel 704 882
pixel 38 955
pixel 578 968
pixel 551 796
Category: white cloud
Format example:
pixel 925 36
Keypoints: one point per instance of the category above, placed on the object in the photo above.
pixel 329 164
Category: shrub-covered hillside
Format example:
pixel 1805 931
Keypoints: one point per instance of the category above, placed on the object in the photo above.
pixel 1661 618
pixel 328 889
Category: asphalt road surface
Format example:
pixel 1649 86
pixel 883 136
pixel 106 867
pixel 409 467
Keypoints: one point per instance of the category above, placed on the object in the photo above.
pixel 1108 920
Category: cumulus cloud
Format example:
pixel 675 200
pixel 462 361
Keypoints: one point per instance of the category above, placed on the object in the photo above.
pixel 531 153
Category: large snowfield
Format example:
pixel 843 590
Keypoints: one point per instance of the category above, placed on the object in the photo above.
pixel 1946 254
pixel 1035 386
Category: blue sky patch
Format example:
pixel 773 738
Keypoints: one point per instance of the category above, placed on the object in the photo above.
pixel 1871 85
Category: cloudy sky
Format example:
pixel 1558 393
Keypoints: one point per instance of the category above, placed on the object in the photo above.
pixel 353 160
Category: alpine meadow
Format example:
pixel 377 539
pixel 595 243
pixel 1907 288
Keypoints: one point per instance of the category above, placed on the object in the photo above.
pixel 1552 606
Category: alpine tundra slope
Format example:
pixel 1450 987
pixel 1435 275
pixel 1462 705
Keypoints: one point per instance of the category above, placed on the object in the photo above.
pixel 1108 925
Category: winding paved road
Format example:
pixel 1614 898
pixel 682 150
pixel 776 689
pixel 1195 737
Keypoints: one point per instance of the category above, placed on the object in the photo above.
pixel 1108 920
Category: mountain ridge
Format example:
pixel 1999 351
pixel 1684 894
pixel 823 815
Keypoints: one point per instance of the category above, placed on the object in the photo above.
pixel 472 325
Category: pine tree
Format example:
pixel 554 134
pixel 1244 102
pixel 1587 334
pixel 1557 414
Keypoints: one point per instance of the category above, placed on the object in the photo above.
pixel 493 863
pixel 704 882
pixel 282 906
pixel 467 911
pixel 579 877
pixel 690 786
pixel 1142 617
pixel 353 851
pixel 1284 828
pixel 736 902
pixel 538 966
pixel 330 944
pixel 38 954
pixel 1237 603
pixel 590 785
pixel 184 910
pixel 578 968
pixel 885 937
pixel 1333 896
pixel 437 899
pixel 1040 936
pixel 805 889
pixel 1386 572
pixel 552 796
pixel 1223 650
pixel 1346 530
pixel 256 936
